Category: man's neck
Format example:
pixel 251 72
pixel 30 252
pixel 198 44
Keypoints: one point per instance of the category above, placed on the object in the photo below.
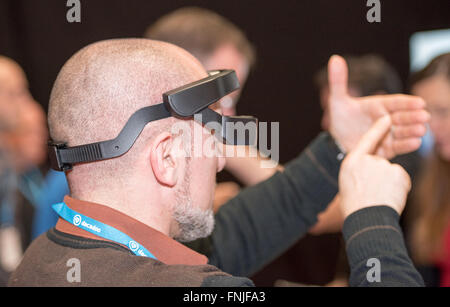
pixel 148 211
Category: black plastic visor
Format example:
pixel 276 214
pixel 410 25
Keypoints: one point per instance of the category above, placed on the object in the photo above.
pixel 186 102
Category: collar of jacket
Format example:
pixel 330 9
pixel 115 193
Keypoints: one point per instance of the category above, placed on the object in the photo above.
pixel 165 249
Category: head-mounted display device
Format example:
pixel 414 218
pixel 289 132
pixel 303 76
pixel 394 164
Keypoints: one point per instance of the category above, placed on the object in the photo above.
pixel 186 102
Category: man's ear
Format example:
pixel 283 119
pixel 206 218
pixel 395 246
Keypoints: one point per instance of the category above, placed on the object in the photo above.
pixel 163 159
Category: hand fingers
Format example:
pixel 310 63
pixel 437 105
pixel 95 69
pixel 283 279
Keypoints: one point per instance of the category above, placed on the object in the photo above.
pixel 407 131
pixel 401 102
pixel 337 76
pixel 370 140
pixel 407 145
pixel 410 117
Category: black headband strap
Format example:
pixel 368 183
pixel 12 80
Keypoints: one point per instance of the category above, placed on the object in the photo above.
pixel 63 157
pixel 183 102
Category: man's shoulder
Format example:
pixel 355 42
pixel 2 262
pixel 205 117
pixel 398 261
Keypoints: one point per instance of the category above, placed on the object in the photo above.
pixel 59 259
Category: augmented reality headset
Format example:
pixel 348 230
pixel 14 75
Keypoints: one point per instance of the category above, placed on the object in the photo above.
pixel 185 102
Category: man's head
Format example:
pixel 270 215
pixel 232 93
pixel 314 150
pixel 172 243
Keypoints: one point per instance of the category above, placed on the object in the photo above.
pixel 23 132
pixel 214 40
pixel 367 75
pixel 95 93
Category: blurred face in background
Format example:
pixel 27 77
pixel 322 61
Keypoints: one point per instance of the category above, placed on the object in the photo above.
pixel 436 92
pixel 228 57
pixel 23 130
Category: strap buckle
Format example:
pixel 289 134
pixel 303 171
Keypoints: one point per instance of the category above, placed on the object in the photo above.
pixel 55 158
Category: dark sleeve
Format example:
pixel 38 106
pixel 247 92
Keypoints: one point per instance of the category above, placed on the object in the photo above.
pixel 266 219
pixel 376 249
pixel 411 162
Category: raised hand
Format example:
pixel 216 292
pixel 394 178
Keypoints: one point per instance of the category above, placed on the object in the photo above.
pixel 367 180
pixel 351 117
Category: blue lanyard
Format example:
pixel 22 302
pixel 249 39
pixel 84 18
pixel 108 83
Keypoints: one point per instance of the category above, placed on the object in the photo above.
pixel 102 230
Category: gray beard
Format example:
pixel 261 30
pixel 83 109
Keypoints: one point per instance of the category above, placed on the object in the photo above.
pixel 193 223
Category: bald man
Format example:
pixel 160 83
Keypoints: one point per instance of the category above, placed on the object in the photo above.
pixel 156 194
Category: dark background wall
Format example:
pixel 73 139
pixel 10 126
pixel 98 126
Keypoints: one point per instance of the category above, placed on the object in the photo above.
pixel 293 40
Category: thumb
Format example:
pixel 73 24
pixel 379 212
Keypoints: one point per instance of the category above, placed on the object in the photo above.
pixel 370 140
pixel 337 76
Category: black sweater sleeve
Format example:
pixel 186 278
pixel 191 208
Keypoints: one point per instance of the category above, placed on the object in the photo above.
pixel 376 249
pixel 264 220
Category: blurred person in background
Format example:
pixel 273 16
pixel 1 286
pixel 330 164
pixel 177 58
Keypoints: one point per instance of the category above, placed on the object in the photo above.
pixel 23 137
pixel 430 219
pixel 216 43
